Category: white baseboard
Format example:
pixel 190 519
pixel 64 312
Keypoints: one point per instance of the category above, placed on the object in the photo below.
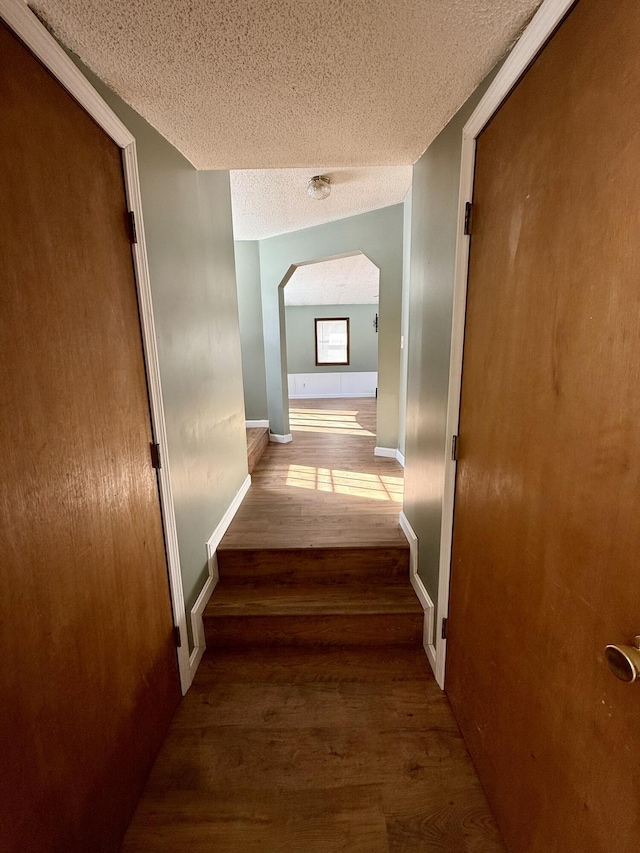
pixel 280 439
pixel 431 657
pixel 421 591
pixel 385 451
pixel 429 613
pixel 197 624
pixel 400 457
pixel 256 424
pixel 412 539
pixel 330 396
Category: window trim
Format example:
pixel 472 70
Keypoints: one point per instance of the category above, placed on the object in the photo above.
pixel 332 363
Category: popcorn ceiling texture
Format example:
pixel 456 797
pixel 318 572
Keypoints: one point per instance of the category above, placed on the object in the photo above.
pixel 343 281
pixel 256 84
pixel 272 201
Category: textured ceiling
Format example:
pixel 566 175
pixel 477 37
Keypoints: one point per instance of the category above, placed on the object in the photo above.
pixel 252 84
pixel 342 281
pixel 272 201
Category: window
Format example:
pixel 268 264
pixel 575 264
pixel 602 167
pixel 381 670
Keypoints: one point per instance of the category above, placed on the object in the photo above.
pixel 332 340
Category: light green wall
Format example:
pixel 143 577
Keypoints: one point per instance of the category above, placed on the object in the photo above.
pixel 363 339
pixel 404 354
pixel 379 236
pixel 251 336
pixel 187 217
pixel 434 214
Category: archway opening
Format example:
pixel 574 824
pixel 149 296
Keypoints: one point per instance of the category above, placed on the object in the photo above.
pixel 330 321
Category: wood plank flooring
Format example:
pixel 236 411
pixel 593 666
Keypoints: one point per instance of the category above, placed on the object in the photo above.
pixel 325 488
pixel 319 750
pixel 314 724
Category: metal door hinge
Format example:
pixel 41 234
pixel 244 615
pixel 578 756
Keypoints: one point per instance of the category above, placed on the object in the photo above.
pixel 455 441
pixel 468 218
pixel 133 233
pixel 155 455
pixel 177 635
pixel 444 628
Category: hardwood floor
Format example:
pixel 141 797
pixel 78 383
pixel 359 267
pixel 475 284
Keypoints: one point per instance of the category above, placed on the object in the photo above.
pixel 314 723
pixel 325 488
pixel 316 750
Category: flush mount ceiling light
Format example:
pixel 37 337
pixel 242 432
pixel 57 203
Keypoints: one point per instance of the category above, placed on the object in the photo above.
pixel 319 187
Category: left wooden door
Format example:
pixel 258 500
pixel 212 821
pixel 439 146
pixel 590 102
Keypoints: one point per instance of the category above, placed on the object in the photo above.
pixel 89 676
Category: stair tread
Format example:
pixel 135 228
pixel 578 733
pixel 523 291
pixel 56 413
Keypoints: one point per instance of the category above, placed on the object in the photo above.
pixel 315 549
pixel 321 664
pixel 233 599
pixel 388 565
pixel 316 534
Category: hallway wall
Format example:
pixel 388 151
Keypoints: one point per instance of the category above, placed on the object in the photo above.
pixel 247 254
pixel 404 354
pixel 191 260
pixel 378 235
pixel 433 217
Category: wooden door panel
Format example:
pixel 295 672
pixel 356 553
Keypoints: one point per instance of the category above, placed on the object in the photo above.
pixel 546 532
pixel 89 677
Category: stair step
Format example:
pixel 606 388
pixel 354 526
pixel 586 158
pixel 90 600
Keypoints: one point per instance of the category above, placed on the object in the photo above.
pixel 291 665
pixel 310 614
pixel 301 564
pixel 257 443
pixel 373 629
pixel 232 599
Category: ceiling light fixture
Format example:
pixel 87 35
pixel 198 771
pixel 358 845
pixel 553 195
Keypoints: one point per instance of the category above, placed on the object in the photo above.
pixel 319 187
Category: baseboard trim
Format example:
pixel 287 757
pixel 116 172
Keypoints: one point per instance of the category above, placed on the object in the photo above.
pixel 429 613
pixel 390 452
pixel 421 591
pixel 256 424
pixel 332 396
pixel 197 623
pixel 412 539
pixel 431 656
pixel 280 439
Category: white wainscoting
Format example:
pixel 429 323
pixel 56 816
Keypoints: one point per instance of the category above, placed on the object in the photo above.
pixel 318 385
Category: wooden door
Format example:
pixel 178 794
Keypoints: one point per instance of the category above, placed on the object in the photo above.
pixel 546 551
pixel 89 674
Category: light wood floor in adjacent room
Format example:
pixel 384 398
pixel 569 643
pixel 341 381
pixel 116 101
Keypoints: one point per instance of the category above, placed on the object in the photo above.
pixel 325 487
pixel 314 724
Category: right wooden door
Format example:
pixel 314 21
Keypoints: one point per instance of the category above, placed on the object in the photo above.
pixel 546 550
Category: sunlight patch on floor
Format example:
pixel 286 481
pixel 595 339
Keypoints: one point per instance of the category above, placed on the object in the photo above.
pixel 377 487
pixel 328 421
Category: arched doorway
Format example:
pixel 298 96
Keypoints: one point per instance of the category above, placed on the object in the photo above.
pixel 337 297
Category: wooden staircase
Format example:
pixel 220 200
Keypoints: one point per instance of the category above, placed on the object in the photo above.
pixel 314 722
pixel 313 597
pixel 315 556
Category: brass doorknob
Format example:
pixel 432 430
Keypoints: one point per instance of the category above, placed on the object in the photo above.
pixel 624 661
